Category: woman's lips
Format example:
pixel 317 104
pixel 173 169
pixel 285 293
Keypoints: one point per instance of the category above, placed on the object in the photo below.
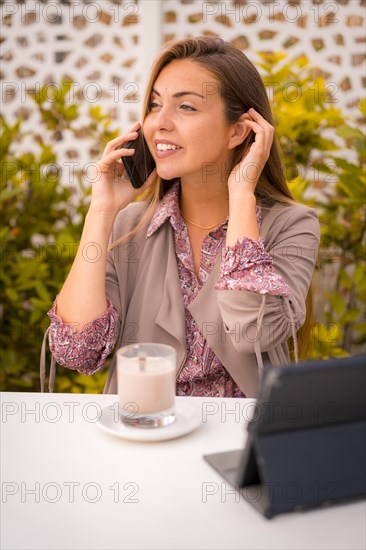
pixel 167 153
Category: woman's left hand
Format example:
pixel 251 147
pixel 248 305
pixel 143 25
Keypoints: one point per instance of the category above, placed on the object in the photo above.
pixel 245 175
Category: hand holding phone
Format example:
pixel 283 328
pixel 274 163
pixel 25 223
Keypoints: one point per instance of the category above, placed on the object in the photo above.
pixel 140 165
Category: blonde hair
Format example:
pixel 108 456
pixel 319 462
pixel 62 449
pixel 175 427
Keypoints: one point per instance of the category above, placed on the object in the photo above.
pixel 241 87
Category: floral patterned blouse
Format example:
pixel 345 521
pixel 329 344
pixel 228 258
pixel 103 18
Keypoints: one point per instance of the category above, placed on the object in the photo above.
pixel 244 266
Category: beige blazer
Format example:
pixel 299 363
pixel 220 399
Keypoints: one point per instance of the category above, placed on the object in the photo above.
pixel 242 328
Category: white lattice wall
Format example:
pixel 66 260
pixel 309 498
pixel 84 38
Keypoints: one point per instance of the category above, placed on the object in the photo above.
pixel 107 48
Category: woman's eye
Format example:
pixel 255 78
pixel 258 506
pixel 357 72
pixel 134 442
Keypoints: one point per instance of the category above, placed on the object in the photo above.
pixel 153 105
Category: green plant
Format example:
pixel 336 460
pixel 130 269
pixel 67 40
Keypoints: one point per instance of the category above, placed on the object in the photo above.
pixel 343 232
pixel 42 223
pixel 303 106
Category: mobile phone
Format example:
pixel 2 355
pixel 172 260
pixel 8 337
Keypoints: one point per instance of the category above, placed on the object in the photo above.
pixel 141 164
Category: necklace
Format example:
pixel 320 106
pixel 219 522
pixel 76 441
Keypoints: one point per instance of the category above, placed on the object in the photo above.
pixel 196 224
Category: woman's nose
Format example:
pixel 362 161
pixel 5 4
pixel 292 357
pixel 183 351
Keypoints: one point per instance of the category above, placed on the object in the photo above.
pixel 163 119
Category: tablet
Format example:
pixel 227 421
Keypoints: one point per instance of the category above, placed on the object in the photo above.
pixel 306 443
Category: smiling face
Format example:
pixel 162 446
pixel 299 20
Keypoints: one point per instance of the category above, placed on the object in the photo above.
pixel 186 129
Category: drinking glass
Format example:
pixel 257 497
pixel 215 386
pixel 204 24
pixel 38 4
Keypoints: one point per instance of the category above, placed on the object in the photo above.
pixel 146 379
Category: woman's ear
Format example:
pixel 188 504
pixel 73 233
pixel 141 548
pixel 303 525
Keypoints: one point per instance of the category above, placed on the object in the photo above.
pixel 239 131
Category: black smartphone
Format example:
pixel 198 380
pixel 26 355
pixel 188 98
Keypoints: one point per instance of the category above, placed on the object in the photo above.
pixel 141 164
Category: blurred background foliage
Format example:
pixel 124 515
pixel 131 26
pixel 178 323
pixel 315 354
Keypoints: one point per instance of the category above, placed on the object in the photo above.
pixel 43 217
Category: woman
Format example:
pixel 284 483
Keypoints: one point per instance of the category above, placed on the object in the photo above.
pixel 217 260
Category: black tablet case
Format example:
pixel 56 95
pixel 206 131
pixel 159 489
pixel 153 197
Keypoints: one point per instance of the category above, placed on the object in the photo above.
pixel 306 444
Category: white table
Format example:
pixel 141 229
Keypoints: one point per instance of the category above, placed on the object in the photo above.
pixel 98 491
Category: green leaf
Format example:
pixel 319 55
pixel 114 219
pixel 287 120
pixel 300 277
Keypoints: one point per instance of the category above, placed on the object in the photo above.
pixel 349 132
pixel 362 106
pixel 351 316
pixel 42 292
pixel 338 304
pixel 12 294
pixel 359 274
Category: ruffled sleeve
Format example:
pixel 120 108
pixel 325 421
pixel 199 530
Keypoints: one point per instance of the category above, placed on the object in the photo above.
pixel 84 351
pixel 247 266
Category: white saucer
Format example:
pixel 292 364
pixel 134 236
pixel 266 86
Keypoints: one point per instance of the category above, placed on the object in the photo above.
pixel 188 417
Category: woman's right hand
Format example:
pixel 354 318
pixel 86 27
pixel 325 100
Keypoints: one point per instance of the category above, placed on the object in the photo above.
pixel 112 190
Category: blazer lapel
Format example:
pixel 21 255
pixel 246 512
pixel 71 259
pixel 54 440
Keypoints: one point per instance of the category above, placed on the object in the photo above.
pixel 204 305
pixel 171 315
